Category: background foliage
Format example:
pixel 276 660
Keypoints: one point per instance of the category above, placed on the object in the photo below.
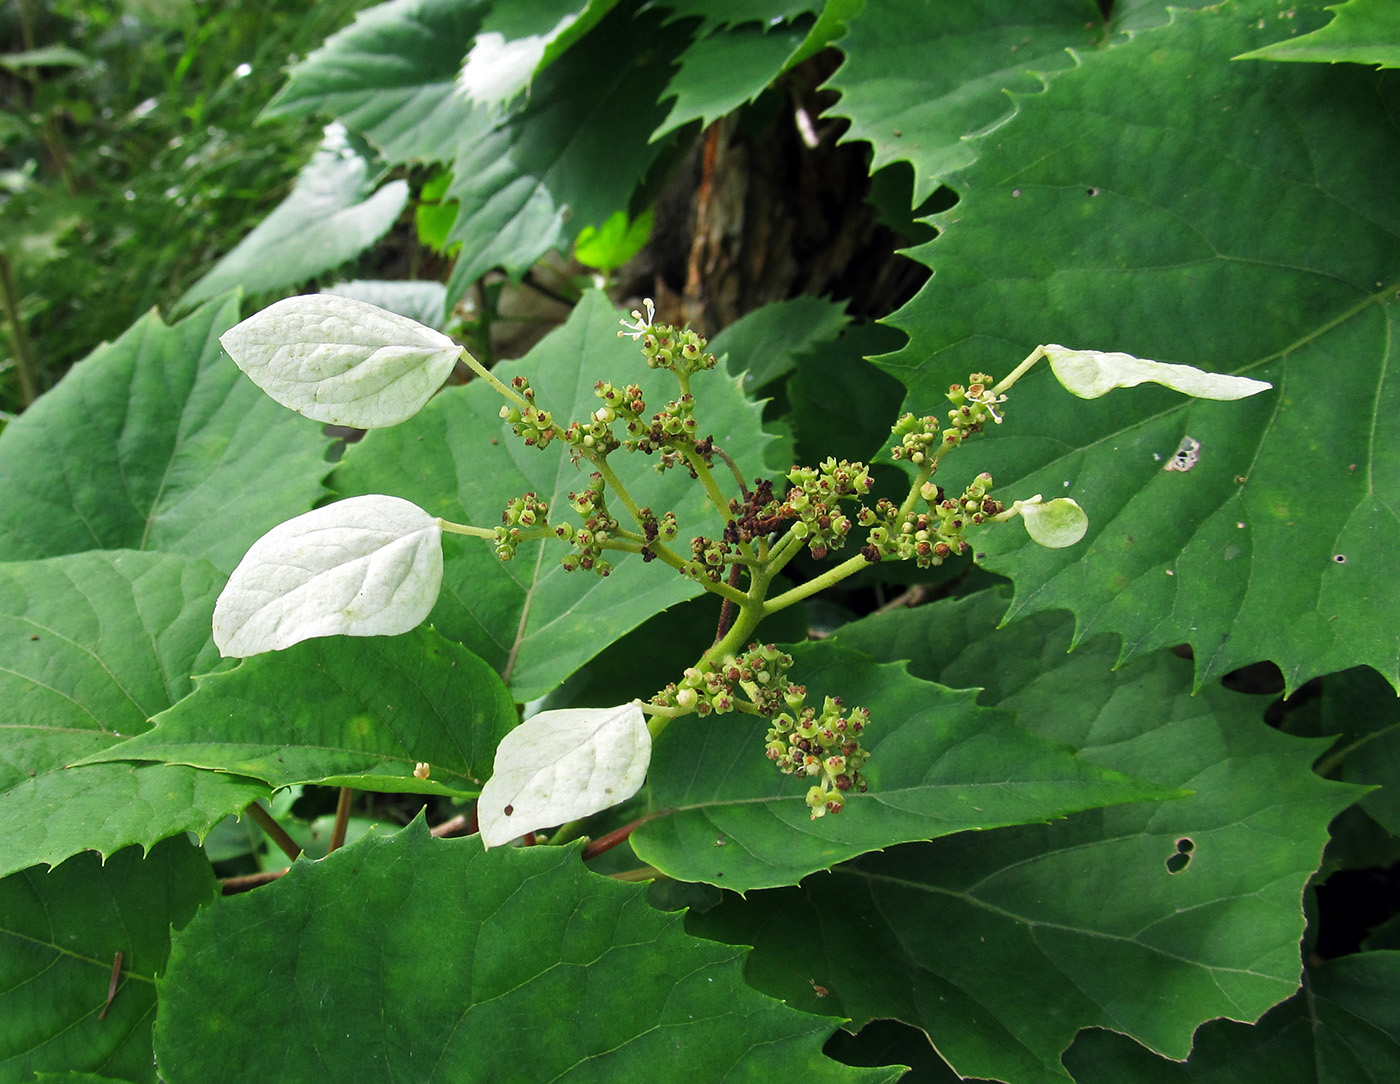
pixel 1098 845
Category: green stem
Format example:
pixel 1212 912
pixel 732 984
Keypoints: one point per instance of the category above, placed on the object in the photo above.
pixel 19 340
pixel 464 528
pixel 707 479
pixel 504 389
pixel 1020 370
pixel 829 578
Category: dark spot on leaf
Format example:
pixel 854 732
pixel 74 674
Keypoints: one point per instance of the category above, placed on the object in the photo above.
pixel 1091 191
pixel 1340 558
pixel 508 810
pixel 1182 858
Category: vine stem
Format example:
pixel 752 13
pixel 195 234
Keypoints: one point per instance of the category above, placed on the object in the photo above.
pixel 504 389
pixel 342 819
pixel 1020 370
pixel 278 834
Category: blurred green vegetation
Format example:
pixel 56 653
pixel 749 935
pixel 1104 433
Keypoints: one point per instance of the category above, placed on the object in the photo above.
pixel 130 159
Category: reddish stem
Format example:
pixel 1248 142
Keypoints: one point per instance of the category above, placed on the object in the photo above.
pixel 611 840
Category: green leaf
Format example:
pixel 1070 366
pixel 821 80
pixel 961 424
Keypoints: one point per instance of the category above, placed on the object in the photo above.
pixel 1062 234
pixel 392 75
pixel 1364 713
pixel 333 213
pixel 156 442
pixel 96 644
pixel 343 712
pixel 721 71
pixel 517 41
pixel 767 343
pixel 919 78
pixel 718 14
pixel 458 459
pixel 938 764
pixel 47 56
pixel 306 972
pixel 1148 919
pixel 1340 1029
pixel 569 156
pixel 1361 31
pixel 60 930
pixel 619 239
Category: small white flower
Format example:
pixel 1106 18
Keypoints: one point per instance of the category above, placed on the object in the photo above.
pixel 642 324
pixel 991 401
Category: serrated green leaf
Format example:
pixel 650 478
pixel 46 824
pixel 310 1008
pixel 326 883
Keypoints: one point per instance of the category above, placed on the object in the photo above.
pixel 720 72
pixel 1339 1030
pixel 767 343
pixel 568 157
pixel 392 75
pixel 60 930
pixel 528 617
pixel 1361 31
pixel 918 79
pixel 517 41
pixel 333 213
pixel 1148 918
pixel 717 14
pixel 306 972
pixel 344 712
pixel 938 764
pixel 156 442
pixel 1063 234
pixel 96 644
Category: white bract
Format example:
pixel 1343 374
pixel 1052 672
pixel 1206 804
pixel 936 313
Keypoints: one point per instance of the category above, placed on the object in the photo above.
pixel 367 566
pixel 559 766
pixel 1092 373
pixel 1055 525
pixel 338 360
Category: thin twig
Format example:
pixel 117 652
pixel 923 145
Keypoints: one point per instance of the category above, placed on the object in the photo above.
pixel 231 886
pixel 611 840
pixel 112 986
pixel 277 833
pixel 342 819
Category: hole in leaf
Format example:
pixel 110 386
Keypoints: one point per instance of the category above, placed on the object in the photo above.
pixel 1179 861
pixel 1340 558
pixel 1091 191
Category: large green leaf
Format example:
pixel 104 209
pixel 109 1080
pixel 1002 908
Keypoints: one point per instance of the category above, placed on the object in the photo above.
pixel 720 72
pixel 517 41
pixel 583 978
pixel 918 78
pixel 60 931
pixel 570 156
pixel 1362 31
pixel 938 764
pixel 1121 214
pixel 1148 918
pixel 392 75
pixel 345 711
pixel 457 459
pixel 96 643
pixel 156 442
pixel 333 213
pixel 1340 1029
pixel 768 342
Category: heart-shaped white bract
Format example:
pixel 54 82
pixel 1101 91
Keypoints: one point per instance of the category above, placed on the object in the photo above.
pixel 338 360
pixel 1054 525
pixel 1092 373
pixel 367 566
pixel 561 765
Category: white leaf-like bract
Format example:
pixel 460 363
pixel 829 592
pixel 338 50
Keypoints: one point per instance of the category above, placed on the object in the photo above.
pixel 1092 373
pixel 1056 524
pixel 561 765
pixel 367 566
pixel 338 360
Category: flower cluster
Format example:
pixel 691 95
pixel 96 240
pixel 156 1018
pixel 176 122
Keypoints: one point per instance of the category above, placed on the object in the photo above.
pixel 815 501
pixel 519 520
pixel 598 527
pixel 535 426
pixel 824 746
